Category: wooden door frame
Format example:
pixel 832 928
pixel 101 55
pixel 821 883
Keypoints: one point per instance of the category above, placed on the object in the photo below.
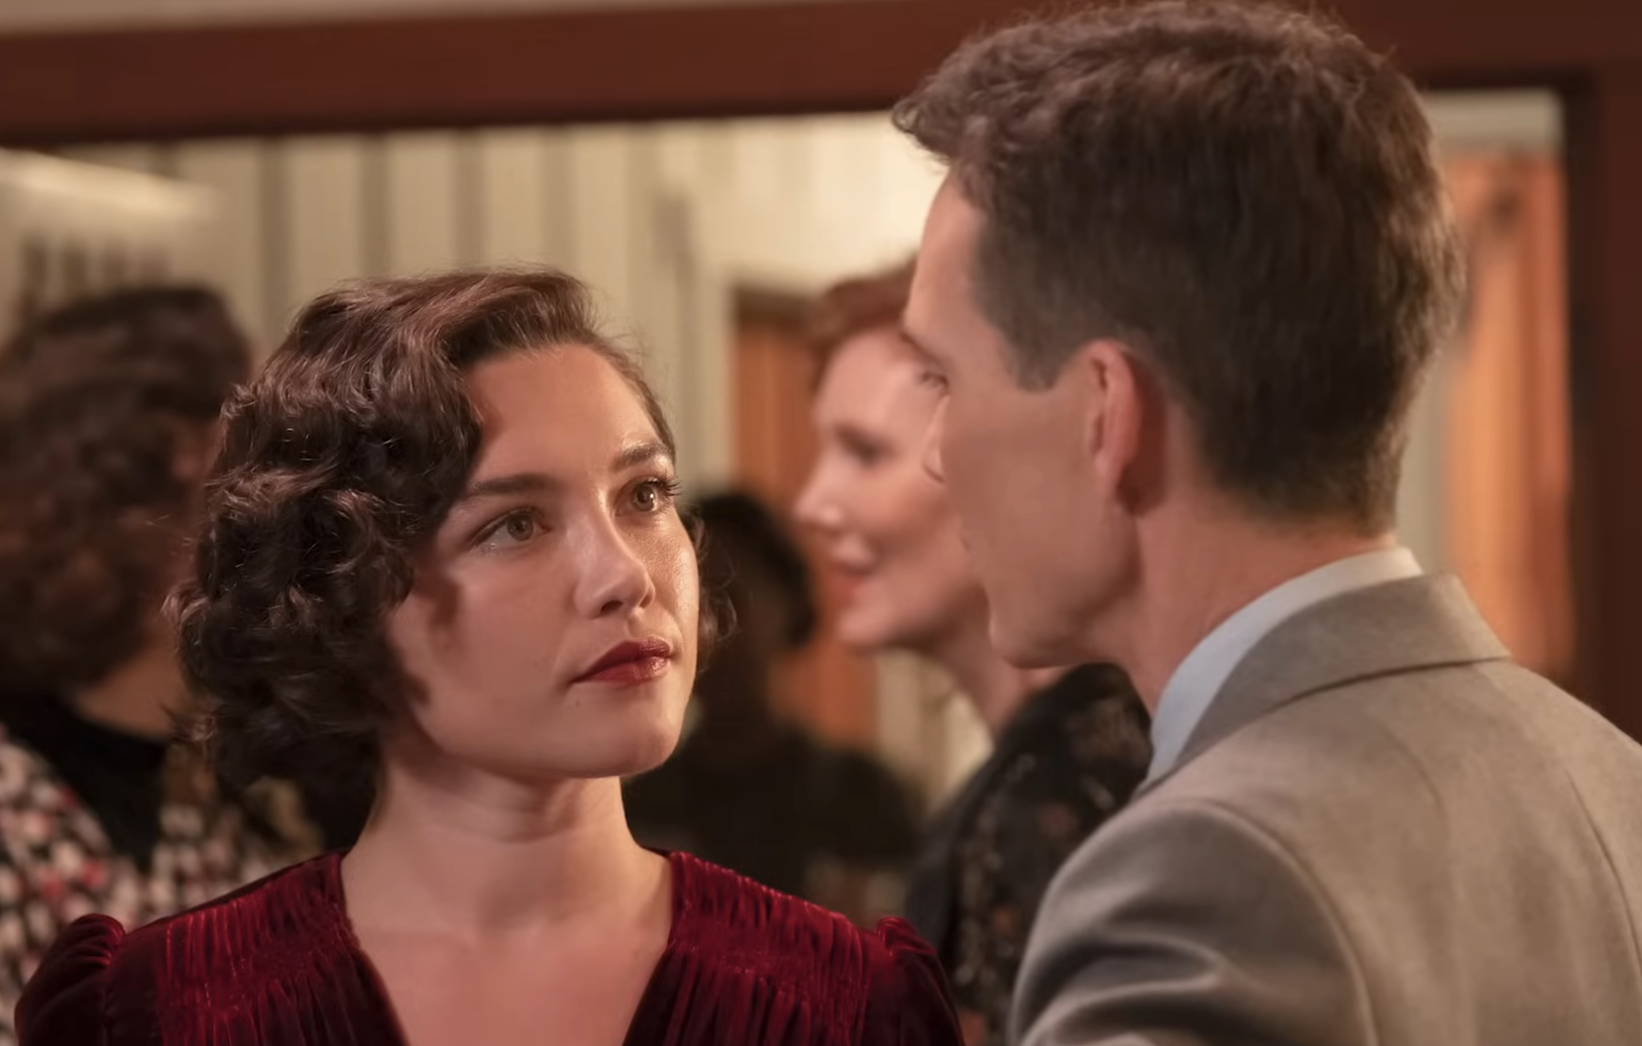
pixel 857 55
pixel 840 682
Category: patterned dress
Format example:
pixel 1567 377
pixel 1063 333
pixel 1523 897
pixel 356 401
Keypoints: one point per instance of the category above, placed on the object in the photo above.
pixel 1065 763
pixel 58 862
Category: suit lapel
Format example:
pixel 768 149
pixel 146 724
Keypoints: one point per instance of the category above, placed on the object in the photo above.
pixel 1401 626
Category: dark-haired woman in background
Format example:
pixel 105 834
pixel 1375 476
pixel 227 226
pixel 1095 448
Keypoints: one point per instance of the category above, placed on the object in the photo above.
pixel 441 542
pixel 107 409
pixel 748 788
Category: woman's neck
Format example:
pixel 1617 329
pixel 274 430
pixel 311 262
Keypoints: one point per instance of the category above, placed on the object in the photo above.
pixel 481 858
pixel 995 687
pixel 138 697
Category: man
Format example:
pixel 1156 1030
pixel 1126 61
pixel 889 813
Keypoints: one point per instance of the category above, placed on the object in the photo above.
pixel 1183 280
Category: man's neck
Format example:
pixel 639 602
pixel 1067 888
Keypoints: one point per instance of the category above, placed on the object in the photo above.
pixel 1194 582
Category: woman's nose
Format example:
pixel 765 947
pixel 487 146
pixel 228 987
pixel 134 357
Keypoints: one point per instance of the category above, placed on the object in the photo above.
pixel 815 507
pixel 614 579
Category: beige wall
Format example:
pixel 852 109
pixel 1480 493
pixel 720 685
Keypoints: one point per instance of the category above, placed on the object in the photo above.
pixel 664 219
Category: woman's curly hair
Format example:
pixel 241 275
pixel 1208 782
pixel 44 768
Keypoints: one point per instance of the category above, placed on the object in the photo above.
pixel 102 403
pixel 338 463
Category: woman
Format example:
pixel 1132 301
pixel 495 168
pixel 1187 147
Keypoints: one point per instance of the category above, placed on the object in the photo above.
pixel 107 409
pixel 442 545
pixel 1069 747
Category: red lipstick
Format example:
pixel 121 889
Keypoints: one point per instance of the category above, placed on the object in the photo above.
pixel 630 663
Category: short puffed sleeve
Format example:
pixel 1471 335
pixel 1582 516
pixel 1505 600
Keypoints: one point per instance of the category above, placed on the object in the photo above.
pixel 64 1003
pixel 908 1003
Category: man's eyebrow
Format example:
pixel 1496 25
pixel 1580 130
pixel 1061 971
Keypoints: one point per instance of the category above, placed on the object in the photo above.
pixel 913 342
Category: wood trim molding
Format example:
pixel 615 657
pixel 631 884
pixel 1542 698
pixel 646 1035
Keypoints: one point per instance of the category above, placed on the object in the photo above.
pixel 631 64
pixel 1604 167
pixel 787 310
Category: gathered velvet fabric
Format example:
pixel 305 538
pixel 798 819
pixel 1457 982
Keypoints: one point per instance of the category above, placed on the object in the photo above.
pixel 277 964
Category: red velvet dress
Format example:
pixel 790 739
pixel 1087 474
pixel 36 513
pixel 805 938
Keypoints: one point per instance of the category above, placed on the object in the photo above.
pixel 277 964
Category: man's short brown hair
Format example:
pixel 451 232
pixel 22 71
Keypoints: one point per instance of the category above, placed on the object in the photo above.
pixel 1244 195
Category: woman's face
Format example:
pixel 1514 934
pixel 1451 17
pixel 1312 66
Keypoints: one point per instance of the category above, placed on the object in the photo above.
pixel 551 629
pixel 890 538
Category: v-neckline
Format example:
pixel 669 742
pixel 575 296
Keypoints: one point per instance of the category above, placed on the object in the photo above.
pixel 648 999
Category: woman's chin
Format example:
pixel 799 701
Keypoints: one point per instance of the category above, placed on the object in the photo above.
pixel 623 754
pixel 871 630
pixel 863 629
pixel 641 754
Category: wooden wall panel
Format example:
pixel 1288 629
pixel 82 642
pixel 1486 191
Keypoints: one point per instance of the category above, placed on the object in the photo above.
pixel 1604 165
pixel 236 170
pixel 646 63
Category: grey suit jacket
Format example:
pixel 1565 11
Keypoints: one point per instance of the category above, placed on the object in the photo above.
pixel 1382 833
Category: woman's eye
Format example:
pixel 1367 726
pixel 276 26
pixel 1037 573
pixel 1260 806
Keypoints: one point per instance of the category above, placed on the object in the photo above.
pixel 654 495
pixel 513 529
pixel 866 456
pixel 861 450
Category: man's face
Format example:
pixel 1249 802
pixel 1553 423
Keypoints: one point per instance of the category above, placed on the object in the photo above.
pixel 1030 471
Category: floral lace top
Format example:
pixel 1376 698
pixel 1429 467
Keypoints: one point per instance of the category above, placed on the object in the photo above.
pixel 1065 763
pixel 57 861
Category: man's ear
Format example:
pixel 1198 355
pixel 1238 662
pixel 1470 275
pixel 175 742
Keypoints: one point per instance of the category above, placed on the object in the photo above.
pixel 930 452
pixel 1114 411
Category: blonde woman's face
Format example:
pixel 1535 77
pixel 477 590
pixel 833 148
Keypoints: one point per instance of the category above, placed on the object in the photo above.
pixel 890 537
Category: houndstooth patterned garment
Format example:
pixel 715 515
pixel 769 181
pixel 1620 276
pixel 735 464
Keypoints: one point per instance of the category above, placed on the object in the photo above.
pixel 56 864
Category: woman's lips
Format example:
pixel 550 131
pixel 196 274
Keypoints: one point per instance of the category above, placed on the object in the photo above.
pixel 630 663
pixel 846 581
pixel 630 673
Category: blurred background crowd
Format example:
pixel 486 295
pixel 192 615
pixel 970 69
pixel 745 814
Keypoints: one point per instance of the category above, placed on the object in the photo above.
pixel 854 740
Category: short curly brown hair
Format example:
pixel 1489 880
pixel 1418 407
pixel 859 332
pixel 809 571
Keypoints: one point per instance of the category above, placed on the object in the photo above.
pixel 99 401
pixel 338 463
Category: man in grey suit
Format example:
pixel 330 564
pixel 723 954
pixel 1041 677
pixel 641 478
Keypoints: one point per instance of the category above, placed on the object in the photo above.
pixel 1179 289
